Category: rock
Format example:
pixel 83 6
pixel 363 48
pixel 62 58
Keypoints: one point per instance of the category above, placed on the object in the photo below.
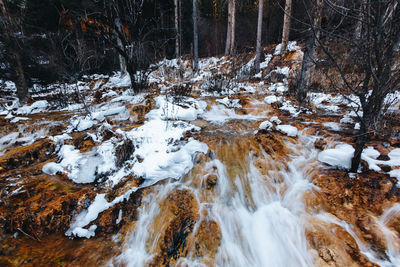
pixel 123 152
pixel 207 239
pixel 211 181
pixel 320 144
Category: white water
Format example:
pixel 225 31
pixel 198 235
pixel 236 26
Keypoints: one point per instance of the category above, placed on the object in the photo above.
pixel 261 217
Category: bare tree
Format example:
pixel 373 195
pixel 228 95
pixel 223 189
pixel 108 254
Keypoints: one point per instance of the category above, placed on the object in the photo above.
pixel 257 61
pixel 195 39
pixel 286 26
pixel 231 29
pixel 307 68
pixel 369 69
pixel 177 29
pixel 120 24
pixel 11 28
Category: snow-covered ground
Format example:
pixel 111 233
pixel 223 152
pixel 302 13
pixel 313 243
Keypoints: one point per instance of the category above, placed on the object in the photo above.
pixel 159 148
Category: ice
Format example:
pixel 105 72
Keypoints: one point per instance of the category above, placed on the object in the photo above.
pixel 288 130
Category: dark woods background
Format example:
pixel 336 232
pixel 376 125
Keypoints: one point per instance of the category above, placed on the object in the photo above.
pixel 59 40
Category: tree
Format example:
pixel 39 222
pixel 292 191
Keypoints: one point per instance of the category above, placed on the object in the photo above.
pixel 307 67
pixel 368 68
pixel 286 26
pixel 11 29
pixel 121 24
pixel 195 39
pixel 380 73
pixel 259 35
pixel 230 32
pixel 177 29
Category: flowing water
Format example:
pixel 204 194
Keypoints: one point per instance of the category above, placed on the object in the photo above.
pixel 254 215
pixel 257 203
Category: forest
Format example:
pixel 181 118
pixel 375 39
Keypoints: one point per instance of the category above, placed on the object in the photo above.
pixel 199 132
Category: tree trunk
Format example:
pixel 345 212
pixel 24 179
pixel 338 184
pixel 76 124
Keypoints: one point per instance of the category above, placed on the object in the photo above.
pixel 8 28
pixel 316 31
pixel 229 30
pixel 195 39
pixel 308 66
pixel 286 26
pixel 259 32
pixel 362 139
pixel 233 29
pixel 361 17
pixel 177 48
pixel 22 87
pixel 122 61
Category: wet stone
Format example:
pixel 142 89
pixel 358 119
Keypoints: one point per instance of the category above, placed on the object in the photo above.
pixel 211 181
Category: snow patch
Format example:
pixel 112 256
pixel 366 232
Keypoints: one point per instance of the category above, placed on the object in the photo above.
pixel 288 130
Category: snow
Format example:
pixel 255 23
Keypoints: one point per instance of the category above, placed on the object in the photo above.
pixel 287 106
pixel 118 80
pixel 81 124
pixel 230 103
pixel 170 111
pixel 340 156
pixel 83 167
pixel 288 130
pixel 275 119
pixel 332 126
pixel 278 87
pixel 271 99
pixel 265 63
pixel 6 140
pixel 396 174
pixel 107 111
pixel 370 154
pixel 284 71
pixel 346 119
pixel 266 125
pixel 291 47
pixel 18 119
pixel 163 164
pixel 36 107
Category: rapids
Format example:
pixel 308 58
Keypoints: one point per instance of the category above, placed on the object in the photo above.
pixel 255 210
